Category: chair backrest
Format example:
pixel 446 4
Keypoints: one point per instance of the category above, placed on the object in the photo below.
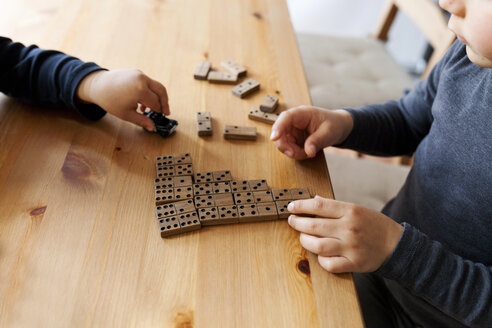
pixel 427 16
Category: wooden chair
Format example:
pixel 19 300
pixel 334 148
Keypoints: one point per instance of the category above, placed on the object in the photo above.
pixel 428 17
pixel 352 72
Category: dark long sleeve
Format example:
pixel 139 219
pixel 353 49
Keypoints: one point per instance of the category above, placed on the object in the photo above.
pixel 44 77
pixel 444 258
pixel 424 268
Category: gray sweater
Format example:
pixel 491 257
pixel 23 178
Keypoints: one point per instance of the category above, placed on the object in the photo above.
pixel 441 269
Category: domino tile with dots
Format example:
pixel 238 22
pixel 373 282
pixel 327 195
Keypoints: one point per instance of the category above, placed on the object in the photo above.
pixel 186 201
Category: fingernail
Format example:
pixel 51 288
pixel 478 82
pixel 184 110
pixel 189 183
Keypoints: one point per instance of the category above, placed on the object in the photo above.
pixel 274 134
pixel 289 153
pixel 289 220
pixel 311 150
pixel 290 207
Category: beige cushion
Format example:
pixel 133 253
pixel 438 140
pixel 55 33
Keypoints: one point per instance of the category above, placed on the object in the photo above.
pixel 368 183
pixel 350 72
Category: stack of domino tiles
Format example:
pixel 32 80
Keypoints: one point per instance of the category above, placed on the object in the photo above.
pixel 186 201
pixel 173 191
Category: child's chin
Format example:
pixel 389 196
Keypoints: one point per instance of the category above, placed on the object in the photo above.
pixel 477 58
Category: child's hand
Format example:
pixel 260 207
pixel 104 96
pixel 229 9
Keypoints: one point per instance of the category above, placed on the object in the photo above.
pixel 120 92
pixel 346 237
pixel 302 131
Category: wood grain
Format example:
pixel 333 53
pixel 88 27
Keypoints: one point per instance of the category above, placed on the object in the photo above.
pixel 79 244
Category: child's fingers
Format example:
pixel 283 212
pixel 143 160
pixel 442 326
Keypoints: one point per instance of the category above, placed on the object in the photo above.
pixel 336 264
pixel 149 99
pixel 161 91
pixel 141 120
pixel 323 227
pixel 321 246
pixel 284 147
pixel 318 206
pixel 291 149
pixel 140 109
pixel 316 141
pixel 282 124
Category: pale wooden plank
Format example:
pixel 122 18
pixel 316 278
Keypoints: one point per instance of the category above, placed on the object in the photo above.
pixel 95 256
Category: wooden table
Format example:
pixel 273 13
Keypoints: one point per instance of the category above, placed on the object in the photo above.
pixel 79 244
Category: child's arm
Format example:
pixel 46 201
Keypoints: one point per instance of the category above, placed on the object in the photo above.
pixel 51 78
pixel 392 128
pixel 350 238
pixel 397 127
pixel 44 77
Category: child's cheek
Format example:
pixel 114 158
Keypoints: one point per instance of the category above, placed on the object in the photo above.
pixel 480 30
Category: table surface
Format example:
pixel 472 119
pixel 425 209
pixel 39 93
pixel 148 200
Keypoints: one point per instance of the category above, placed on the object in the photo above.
pixel 79 243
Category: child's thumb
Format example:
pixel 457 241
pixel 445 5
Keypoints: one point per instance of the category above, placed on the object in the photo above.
pixel 314 143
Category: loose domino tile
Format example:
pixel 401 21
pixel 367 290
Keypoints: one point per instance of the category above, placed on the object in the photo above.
pixel 163 211
pixel 234 68
pixel 182 181
pixel 258 185
pixel 169 226
pixel 184 206
pixel 257 115
pixel 204 124
pixel 300 193
pixel 202 189
pixel 203 177
pixel 189 222
pixel 204 128
pixel 204 201
pixel 183 169
pixel 202 70
pixel 163 196
pixel 203 116
pixel 269 104
pixel 247 213
pixel 283 213
pixel 185 192
pixel 228 214
pixel 239 132
pixel 264 196
pixel 164 183
pixel 247 87
pixel 241 198
pixel 223 199
pixel 240 186
pixel 165 171
pixel 221 187
pixel 267 211
pixel 182 158
pixel 221 77
pixel 208 216
pixel 221 176
pixel 282 194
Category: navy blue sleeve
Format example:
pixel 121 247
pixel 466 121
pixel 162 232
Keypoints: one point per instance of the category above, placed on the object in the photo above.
pixel 44 77
pixel 396 127
pixel 458 287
